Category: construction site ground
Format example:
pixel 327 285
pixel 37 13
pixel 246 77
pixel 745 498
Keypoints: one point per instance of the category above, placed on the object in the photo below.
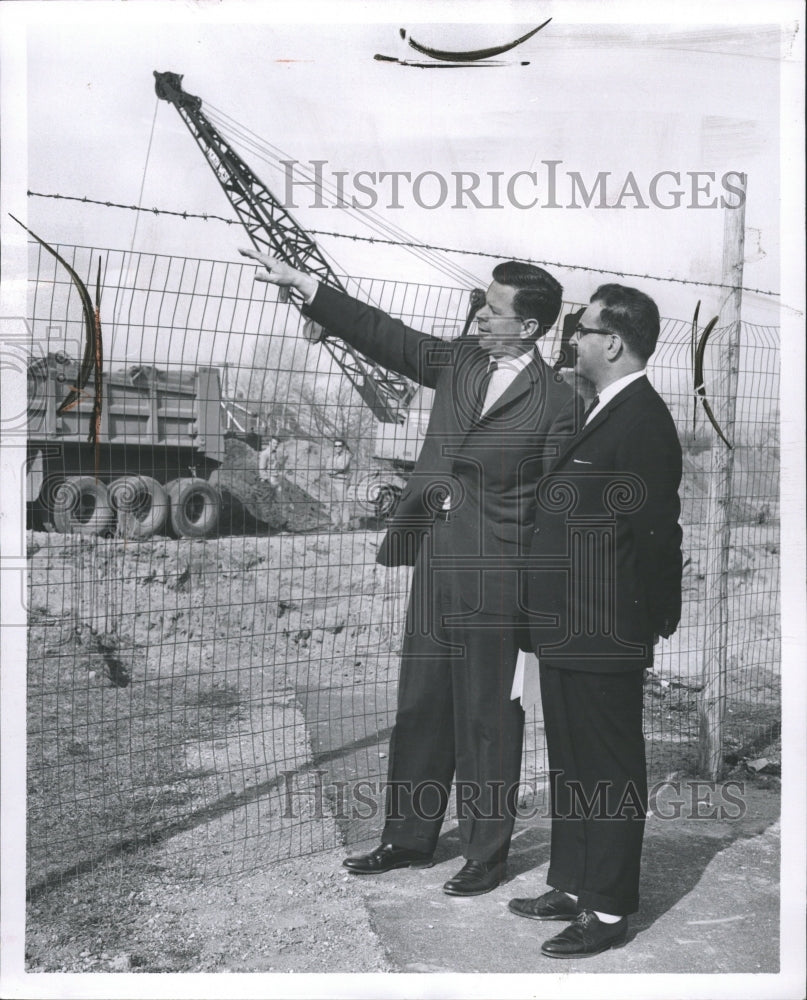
pixel 710 904
pixel 246 656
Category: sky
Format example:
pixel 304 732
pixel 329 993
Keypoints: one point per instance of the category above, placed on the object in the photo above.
pixel 602 92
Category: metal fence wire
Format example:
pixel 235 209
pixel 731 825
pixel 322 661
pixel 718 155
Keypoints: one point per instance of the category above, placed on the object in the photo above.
pixel 212 648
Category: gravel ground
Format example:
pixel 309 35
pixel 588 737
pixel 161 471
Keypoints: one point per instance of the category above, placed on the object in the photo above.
pixel 709 885
pixel 157 841
pixel 302 915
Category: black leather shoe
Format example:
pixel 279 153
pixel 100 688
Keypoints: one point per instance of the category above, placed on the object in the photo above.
pixel 553 905
pixel 386 858
pixel 475 877
pixel 588 935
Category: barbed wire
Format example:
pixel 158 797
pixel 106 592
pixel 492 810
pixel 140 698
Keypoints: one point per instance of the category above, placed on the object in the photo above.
pixel 206 217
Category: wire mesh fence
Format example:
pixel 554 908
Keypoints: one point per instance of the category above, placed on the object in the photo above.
pixel 212 657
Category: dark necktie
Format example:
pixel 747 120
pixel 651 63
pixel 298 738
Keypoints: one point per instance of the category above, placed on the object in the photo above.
pixel 484 382
pixel 592 406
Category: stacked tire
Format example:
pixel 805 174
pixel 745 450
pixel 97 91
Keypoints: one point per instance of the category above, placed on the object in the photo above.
pixel 83 505
pixel 141 505
pixel 195 507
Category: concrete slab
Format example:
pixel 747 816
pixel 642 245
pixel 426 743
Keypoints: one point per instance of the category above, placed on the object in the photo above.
pixel 710 904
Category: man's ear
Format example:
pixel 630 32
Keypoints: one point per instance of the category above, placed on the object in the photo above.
pixel 615 347
pixel 530 329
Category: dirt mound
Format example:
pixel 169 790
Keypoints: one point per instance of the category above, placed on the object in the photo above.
pixel 247 499
pixel 305 493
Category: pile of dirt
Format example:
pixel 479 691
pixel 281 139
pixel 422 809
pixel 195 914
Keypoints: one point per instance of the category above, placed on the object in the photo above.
pixel 248 500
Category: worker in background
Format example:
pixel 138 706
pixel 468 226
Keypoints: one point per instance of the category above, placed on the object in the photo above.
pixel 340 479
pixel 271 463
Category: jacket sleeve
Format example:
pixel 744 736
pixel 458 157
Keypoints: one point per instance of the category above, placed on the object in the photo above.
pixel 564 426
pixel 387 341
pixel 652 453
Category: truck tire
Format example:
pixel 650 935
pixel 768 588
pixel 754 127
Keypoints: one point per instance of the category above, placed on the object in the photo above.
pixel 141 505
pixel 81 507
pixel 195 507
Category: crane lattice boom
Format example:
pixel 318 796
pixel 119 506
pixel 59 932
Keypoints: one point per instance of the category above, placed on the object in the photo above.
pixel 272 229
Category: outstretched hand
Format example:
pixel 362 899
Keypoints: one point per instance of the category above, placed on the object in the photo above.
pixel 278 272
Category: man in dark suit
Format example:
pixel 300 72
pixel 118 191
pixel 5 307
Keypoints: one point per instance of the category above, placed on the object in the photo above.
pixel 466 511
pixel 603 583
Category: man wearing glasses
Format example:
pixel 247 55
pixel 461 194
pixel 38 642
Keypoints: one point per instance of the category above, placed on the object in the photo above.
pixel 604 582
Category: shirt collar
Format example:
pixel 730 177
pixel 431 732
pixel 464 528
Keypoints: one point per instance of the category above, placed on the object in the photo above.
pixel 514 364
pixel 608 393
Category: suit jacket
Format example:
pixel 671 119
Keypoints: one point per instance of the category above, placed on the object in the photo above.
pixel 489 467
pixel 604 569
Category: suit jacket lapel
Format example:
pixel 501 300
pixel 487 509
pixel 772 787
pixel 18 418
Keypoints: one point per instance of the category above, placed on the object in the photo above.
pixel 630 390
pixel 468 371
pixel 522 383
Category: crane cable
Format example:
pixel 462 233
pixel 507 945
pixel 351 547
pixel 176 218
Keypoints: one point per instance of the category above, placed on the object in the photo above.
pixel 258 147
pixel 119 301
pixel 273 155
pixel 375 223
pixel 116 555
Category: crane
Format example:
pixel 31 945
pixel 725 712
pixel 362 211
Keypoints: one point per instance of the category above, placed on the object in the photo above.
pixel 272 229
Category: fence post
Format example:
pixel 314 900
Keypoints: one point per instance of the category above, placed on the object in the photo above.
pixel 712 705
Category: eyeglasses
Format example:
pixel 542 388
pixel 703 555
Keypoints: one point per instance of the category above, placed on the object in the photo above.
pixel 497 316
pixel 581 331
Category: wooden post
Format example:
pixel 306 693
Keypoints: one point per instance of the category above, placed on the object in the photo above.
pixel 723 397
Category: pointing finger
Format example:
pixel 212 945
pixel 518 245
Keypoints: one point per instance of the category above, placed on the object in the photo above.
pixel 256 255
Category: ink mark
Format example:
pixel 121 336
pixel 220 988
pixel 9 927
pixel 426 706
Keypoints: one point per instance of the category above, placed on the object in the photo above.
pixel 436 65
pixel 446 59
pixel 475 54
pixel 698 349
pixel 91 345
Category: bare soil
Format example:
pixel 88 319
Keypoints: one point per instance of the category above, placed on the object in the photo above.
pixel 174 685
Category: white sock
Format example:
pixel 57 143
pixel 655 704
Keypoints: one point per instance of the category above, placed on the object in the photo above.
pixel 606 918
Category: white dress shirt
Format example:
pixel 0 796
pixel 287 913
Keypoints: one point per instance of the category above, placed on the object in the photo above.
pixel 507 370
pixel 607 394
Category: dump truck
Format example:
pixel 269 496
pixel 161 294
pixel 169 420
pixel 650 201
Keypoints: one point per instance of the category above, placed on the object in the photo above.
pixel 174 456
pixel 161 436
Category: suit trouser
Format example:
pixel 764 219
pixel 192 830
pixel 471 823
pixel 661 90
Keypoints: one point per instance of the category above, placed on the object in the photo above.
pixel 596 752
pixel 454 716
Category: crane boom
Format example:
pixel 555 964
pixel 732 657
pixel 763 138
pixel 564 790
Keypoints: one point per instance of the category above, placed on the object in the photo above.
pixel 272 229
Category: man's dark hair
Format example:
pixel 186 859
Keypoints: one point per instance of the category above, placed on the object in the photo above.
pixel 539 296
pixel 631 314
